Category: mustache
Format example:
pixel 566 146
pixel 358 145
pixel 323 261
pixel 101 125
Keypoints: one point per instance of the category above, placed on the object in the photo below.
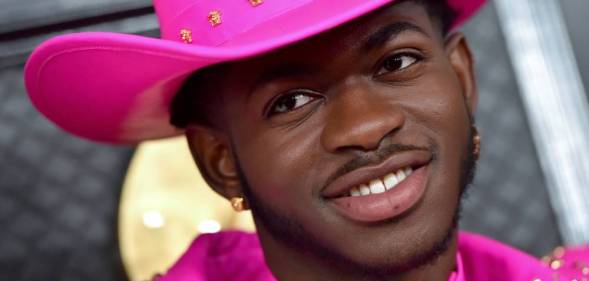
pixel 372 159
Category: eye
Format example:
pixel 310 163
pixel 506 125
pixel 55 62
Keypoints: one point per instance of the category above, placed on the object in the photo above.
pixel 398 62
pixel 291 101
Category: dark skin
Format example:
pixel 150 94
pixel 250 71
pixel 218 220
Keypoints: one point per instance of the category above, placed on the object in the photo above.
pixel 287 121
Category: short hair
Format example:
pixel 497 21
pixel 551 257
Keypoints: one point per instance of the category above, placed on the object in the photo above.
pixel 193 102
pixel 439 11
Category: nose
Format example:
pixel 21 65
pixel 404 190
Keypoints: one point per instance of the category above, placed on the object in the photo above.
pixel 360 118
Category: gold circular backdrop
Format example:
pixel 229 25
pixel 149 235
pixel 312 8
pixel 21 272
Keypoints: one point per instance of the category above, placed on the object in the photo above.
pixel 165 204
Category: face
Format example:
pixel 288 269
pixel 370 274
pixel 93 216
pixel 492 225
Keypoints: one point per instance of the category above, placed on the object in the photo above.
pixel 354 145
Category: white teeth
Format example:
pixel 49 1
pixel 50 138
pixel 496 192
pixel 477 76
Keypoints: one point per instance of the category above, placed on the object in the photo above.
pixel 408 171
pixel 364 190
pixel 401 175
pixel 376 186
pixel 390 181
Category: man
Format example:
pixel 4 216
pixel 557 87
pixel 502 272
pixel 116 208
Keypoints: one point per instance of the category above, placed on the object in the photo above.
pixel 345 126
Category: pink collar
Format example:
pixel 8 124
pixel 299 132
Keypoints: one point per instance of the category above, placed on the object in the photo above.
pixel 237 256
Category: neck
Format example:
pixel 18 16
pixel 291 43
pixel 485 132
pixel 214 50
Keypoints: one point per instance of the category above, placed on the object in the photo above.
pixel 288 264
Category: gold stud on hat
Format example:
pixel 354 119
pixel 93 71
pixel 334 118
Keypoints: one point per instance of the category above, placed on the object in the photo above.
pixel 186 35
pixel 256 3
pixel 215 18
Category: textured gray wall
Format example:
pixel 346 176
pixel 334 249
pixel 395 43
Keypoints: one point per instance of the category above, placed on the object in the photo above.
pixel 575 12
pixel 23 14
pixel 58 196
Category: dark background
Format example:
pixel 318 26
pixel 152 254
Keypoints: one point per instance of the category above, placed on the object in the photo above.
pixel 575 14
pixel 59 195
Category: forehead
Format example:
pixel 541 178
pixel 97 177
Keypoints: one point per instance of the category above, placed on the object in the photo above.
pixel 349 37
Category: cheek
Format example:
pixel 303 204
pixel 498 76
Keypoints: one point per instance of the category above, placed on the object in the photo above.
pixel 280 165
pixel 441 106
pixel 442 112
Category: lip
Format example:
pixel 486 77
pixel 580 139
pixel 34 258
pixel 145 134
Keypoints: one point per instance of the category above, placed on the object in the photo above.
pixel 383 206
pixel 342 185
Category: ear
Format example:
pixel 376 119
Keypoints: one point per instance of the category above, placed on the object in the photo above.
pixel 462 60
pixel 212 153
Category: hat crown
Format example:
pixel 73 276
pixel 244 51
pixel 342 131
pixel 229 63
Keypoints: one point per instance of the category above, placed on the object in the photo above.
pixel 214 22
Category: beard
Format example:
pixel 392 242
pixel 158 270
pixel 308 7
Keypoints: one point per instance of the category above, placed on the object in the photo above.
pixel 294 235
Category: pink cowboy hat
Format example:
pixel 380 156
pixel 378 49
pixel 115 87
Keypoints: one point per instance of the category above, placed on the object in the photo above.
pixel 117 88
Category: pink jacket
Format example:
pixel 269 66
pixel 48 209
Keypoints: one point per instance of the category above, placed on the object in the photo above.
pixel 237 256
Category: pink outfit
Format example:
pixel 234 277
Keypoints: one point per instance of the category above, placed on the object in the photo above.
pixel 237 256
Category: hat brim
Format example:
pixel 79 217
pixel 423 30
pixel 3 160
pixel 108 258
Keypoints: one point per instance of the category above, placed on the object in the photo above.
pixel 117 88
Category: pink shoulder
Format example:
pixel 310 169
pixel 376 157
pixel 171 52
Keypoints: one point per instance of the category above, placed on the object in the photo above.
pixel 231 255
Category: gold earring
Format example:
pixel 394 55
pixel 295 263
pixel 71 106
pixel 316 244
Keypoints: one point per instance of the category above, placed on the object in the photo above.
pixel 256 3
pixel 238 204
pixel 476 139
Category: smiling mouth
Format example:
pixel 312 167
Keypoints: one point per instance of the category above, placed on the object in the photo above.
pixel 381 192
pixel 381 185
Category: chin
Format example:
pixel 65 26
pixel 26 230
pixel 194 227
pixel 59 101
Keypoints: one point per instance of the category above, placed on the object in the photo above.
pixel 398 250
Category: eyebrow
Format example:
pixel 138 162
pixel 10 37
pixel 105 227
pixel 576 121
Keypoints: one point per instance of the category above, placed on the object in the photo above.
pixel 388 33
pixel 289 70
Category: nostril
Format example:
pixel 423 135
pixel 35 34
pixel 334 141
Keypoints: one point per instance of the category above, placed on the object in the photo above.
pixel 365 137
